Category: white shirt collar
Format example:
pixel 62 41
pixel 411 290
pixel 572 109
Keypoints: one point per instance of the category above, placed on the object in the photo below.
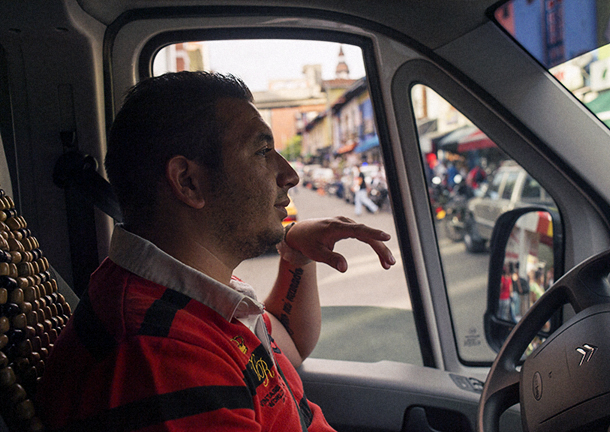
pixel 146 260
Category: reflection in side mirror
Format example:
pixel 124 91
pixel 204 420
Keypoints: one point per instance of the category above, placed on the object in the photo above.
pixel 526 257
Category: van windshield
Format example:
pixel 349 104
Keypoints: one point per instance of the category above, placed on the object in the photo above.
pixel 571 39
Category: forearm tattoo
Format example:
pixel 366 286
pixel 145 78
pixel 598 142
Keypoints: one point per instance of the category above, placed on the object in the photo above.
pixel 289 299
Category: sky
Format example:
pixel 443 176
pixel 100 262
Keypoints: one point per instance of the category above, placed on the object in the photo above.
pixel 257 61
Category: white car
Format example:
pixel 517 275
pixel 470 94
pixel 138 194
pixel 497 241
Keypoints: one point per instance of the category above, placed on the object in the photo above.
pixel 510 187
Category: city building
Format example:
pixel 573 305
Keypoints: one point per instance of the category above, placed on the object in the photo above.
pixel 287 104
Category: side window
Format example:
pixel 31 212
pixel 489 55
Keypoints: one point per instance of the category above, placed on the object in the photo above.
pixel 494 188
pixel 322 120
pixel 531 190
pixel 488 177
pixel 509 185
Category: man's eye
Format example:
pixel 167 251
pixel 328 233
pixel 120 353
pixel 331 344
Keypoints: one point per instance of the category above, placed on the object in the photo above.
pixel 263 152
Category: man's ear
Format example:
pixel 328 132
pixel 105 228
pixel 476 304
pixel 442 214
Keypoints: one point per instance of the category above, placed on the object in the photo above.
pixel 185 179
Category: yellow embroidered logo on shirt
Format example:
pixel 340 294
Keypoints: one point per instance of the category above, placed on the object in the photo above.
pixel 241 344
pixel 261 369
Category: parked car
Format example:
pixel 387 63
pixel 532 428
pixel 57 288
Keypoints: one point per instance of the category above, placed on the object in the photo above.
pixel 65 66
pixel 322 177
pixel 308 175
pixel 510 187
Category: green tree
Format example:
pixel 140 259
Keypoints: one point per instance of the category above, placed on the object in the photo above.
pixel 293 148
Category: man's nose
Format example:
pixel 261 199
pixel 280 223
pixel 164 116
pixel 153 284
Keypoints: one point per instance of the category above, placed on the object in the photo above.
pixel 287 176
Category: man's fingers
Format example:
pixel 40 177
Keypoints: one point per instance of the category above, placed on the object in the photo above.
pixel 375 238
pixel 349 229
pixel 386 258
pixel 340 263
pixel 333 259
pixel 317 238
pixel 377 242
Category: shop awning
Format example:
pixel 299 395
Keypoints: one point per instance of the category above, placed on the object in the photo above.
pixel 449 142
pixel 346 148
pixel 474 141
pixel 367 144
pixel 601 107
pixel 601 103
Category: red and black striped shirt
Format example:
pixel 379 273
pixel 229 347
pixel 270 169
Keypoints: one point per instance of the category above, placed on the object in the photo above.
pixel 137 356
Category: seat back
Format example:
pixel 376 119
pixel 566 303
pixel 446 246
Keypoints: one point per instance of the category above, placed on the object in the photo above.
pixel 32 314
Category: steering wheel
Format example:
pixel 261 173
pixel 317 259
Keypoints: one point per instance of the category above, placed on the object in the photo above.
pixel 565 384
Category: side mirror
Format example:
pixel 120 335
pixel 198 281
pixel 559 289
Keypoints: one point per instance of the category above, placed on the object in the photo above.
pixel 526 257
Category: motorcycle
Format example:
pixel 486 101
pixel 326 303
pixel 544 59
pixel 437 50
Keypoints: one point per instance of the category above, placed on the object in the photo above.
pixel 455 210
pixel 378 193
pixel 439 196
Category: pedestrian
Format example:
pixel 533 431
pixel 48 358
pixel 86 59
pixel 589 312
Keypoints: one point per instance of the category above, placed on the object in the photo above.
pixel 166 338
pixel 521 286
pixel 535 284
pixel 505 294
pixel 361 197
pixel 452 172
pixel 515 299
pixel 549 278
pixel 475 177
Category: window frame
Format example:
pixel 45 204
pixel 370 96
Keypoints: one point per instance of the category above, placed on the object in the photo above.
pixel 362 38
pixel 499 130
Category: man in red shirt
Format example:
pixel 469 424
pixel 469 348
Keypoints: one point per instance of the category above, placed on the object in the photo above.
pixel 165 337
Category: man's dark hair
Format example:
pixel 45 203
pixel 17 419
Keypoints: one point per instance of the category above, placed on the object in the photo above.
pixel 173 114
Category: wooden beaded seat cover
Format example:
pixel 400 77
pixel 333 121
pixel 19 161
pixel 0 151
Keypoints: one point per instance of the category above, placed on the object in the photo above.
pixel 32 314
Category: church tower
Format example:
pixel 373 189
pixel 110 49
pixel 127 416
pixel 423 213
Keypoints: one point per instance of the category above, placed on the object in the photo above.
pixel 342 71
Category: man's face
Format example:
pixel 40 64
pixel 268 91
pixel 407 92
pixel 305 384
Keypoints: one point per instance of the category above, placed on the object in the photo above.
pixel 250 196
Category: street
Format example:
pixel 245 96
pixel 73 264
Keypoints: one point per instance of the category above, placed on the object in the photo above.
pixel 368 303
